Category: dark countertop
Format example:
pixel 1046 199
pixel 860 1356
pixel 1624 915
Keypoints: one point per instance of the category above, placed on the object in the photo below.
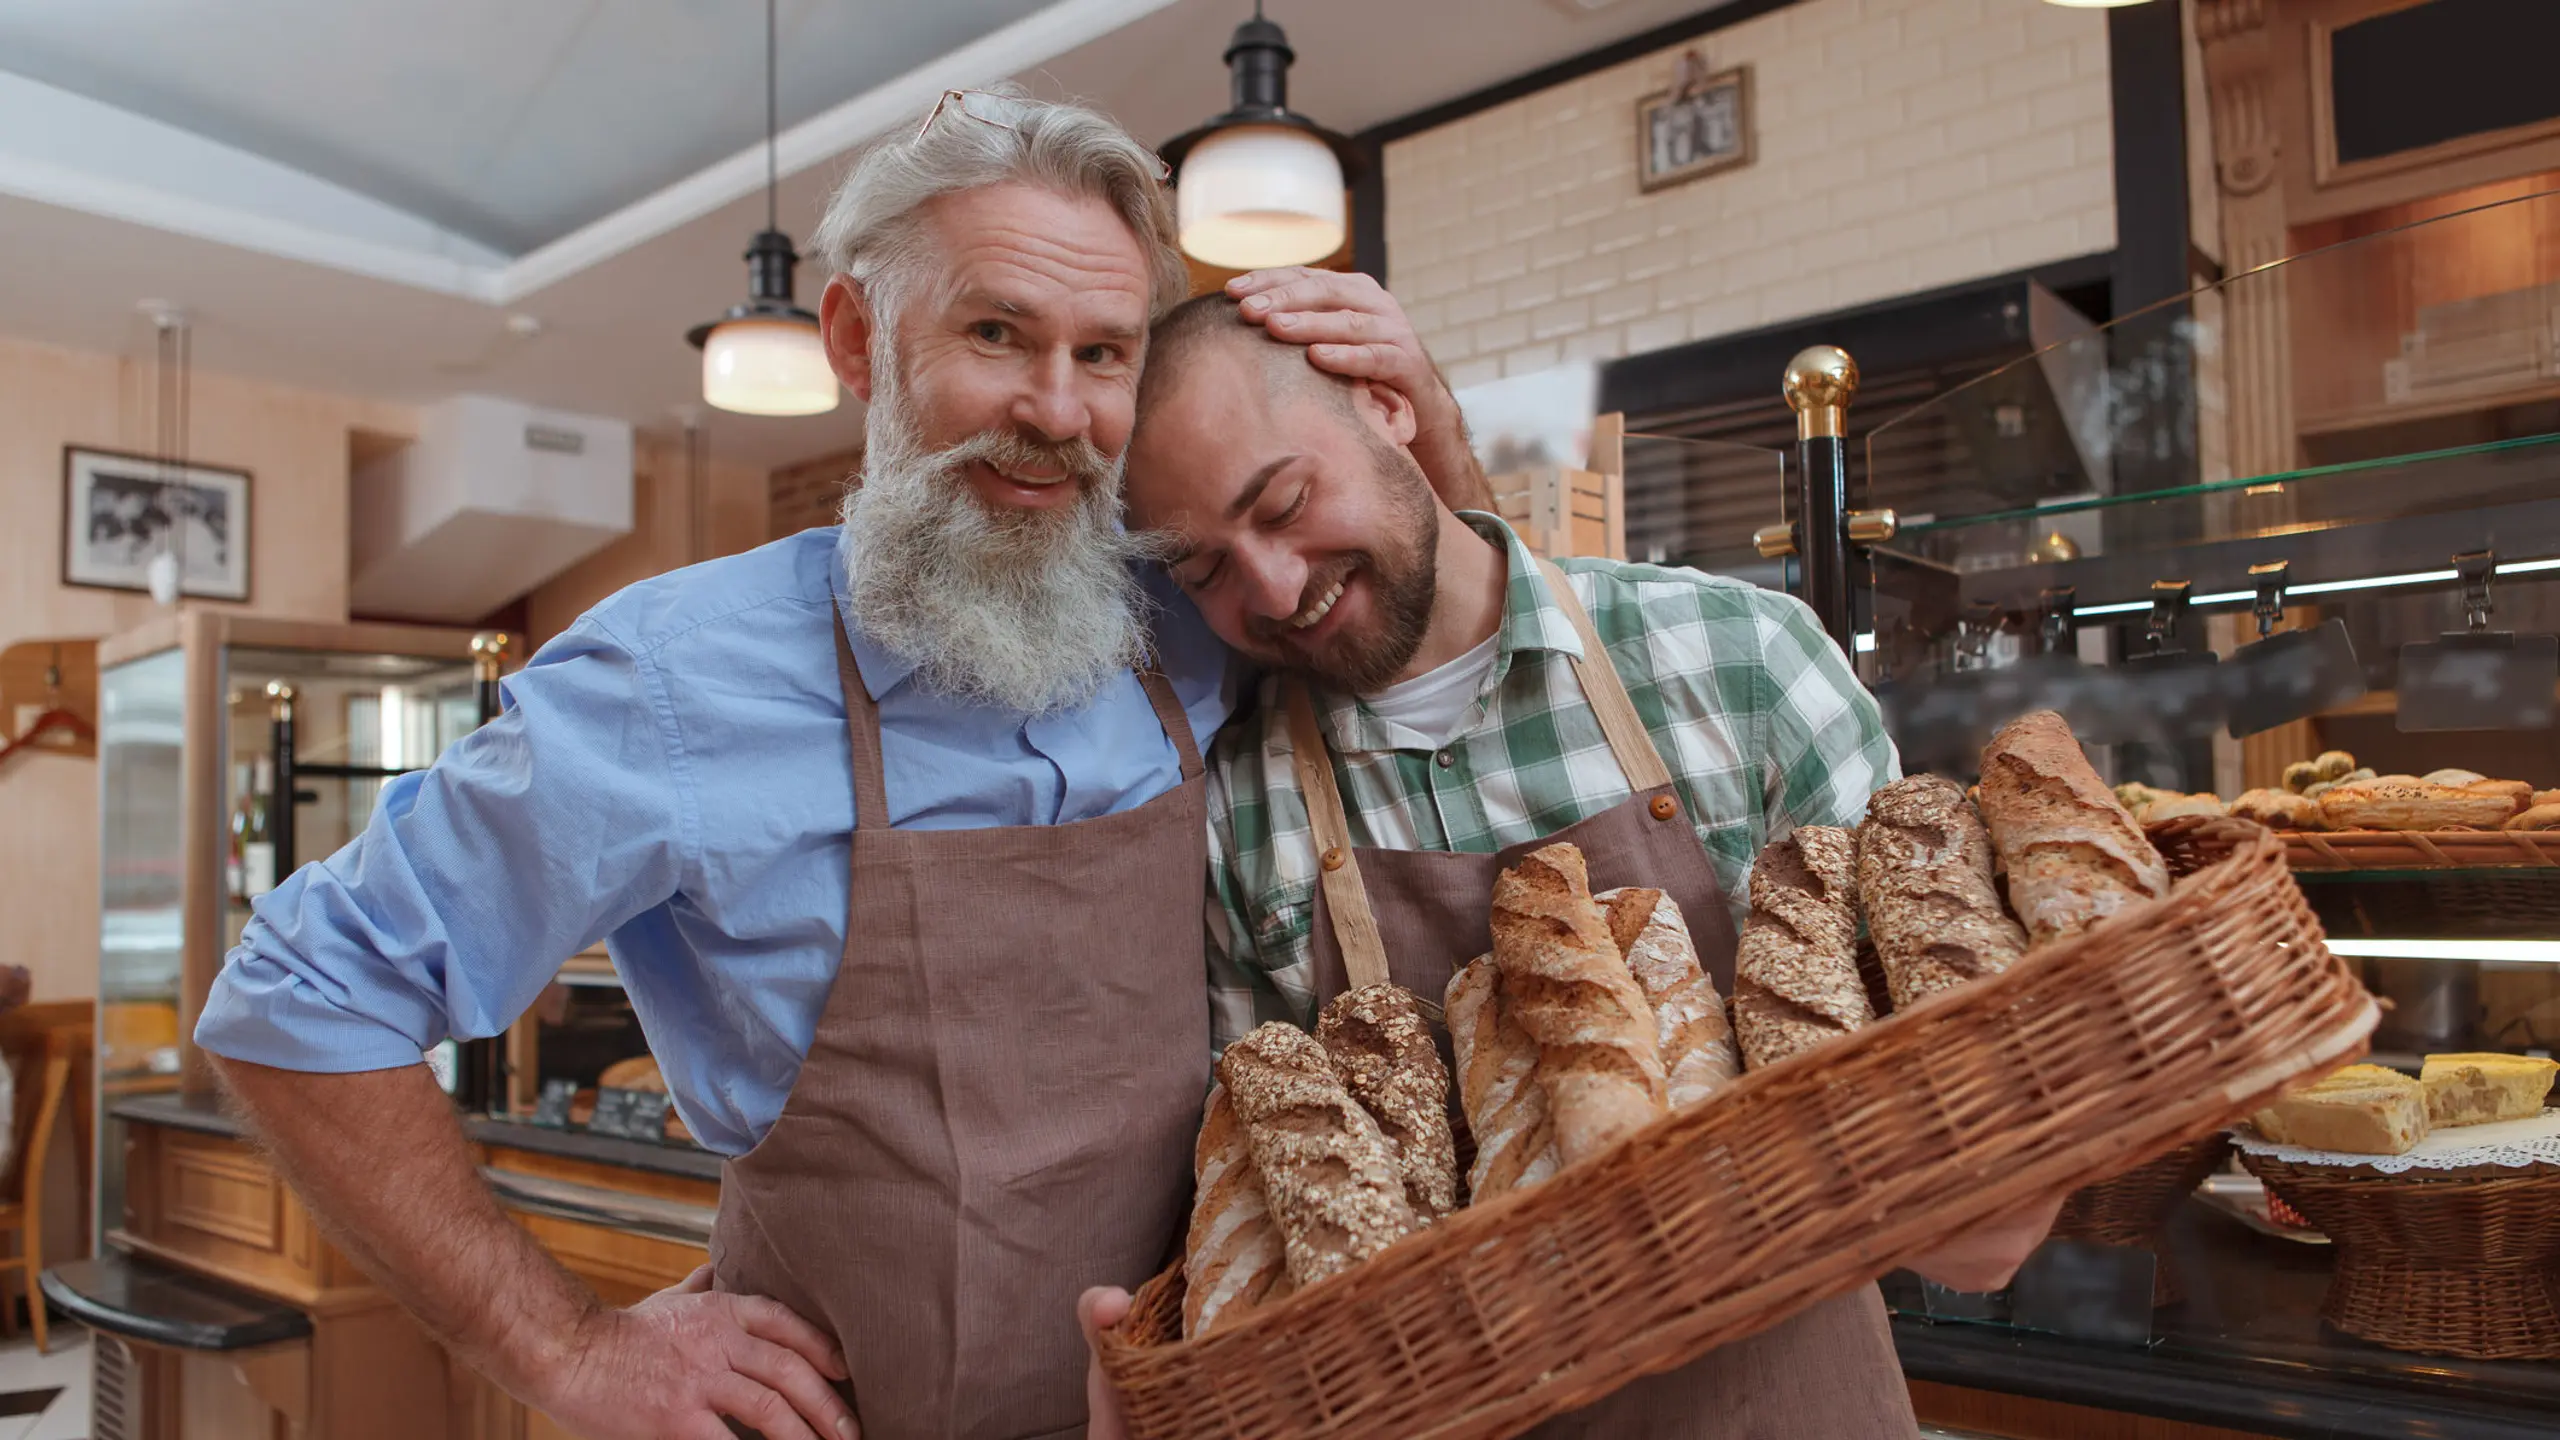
pixel 2246 1350
pixel 209 1117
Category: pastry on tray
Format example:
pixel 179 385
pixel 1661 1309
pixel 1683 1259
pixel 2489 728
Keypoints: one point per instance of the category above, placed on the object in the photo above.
pixel 2479 1089
pixel 2362 1110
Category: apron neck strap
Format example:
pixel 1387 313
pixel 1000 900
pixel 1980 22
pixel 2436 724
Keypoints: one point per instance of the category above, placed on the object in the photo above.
pixel 862 731
pixel 1355 925
pixel 1607 694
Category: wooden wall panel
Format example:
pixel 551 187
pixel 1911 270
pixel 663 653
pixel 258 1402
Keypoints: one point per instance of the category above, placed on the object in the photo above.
pixel 2016 1417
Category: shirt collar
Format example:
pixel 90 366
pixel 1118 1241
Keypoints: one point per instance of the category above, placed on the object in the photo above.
pixel 883 669
pixel 1531 622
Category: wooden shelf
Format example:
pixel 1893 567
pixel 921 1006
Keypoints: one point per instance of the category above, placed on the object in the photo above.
pixel 2375 417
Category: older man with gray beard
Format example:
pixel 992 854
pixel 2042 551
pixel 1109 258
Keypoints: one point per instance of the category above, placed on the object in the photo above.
pixel 895 832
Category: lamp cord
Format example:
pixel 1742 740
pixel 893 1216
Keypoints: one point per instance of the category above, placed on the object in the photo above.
pixel 772 168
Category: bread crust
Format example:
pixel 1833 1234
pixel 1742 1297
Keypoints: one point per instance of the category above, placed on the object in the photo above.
pixel 2073 853
pixel 1924 881
pixel 1796 982
pixel 1690 1025
pixel 1327 1171
pixel 1232 1258
pixel 2278 810
pixel 2395 804
pixel 1382 1049
pixel 2540 817
pixel 1506 1107
pixel 1564 983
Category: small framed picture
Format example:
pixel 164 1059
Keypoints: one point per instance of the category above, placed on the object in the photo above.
pixel 119 511
pixel 1699 126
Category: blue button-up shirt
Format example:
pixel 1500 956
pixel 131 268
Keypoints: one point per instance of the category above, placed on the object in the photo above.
pixel 670 775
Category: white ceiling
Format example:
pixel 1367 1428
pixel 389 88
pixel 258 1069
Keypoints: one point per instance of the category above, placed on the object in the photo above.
pixel 357 195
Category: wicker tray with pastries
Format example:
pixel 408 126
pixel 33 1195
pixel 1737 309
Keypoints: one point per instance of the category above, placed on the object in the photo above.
pixel 2114 1016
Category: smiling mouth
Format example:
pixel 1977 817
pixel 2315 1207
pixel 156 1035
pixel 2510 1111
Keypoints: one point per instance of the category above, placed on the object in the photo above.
pixel 1307 619
pixel 1019 477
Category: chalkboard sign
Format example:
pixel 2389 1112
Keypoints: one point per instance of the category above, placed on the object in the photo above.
pixel 2428 74
pixel 552 1106
pixel 630 1114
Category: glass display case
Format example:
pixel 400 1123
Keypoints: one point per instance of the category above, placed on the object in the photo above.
pixel 2295 529
pixel 232 749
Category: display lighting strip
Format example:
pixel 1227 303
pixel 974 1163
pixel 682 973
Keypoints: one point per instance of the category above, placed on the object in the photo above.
pixel 2510 952
pixel 2320 587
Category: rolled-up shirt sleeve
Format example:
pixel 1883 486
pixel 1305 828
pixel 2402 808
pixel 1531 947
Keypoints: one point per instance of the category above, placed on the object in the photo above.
pixel 529 840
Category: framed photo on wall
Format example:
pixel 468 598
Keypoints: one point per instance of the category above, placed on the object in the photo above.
pixel 1700 126
pixel 118 511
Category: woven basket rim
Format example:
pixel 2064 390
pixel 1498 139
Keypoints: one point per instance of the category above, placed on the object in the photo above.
pixel 1130 1355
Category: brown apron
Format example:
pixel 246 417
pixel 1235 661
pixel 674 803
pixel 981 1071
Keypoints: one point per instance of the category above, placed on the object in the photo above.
pixel 1415 916
pixel 998 1108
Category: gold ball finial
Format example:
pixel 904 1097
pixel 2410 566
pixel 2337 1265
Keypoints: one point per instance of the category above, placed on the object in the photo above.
pixel 489 652
pixel 1820 382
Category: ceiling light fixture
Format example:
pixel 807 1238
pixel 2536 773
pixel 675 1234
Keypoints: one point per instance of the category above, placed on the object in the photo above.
pixel 2096 4
pixel 765 357
pixel 1262 184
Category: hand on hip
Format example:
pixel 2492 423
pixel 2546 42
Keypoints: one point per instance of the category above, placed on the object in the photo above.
pixel 681 1363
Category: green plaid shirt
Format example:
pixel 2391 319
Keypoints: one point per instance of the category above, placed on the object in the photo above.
pixel 1755 711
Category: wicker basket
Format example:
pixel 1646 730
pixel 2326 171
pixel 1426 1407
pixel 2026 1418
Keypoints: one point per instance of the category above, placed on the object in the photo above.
pixel 1800 1182
pixel 2442 1262
pixel 2420 849
pixel 2132 1209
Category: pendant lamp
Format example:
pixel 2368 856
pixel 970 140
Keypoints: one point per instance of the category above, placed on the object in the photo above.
pixel 1262 184
pixel 764 357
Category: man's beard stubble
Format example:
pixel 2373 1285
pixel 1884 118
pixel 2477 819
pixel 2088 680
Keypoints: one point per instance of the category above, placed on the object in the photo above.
pixel 1024 610
pixel 1403 575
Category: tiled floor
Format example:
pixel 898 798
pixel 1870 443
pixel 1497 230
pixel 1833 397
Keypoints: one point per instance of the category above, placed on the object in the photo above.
pixel 26 1412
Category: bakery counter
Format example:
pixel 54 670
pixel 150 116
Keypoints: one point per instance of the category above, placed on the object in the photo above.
pixel 2244 1354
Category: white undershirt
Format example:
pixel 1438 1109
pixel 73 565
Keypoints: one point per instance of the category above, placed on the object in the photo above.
pixel 1425 712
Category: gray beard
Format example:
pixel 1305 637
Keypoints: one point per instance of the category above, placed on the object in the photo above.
pixel 1029 611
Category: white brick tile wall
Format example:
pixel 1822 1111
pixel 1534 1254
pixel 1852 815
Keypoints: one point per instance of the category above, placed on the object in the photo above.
pixel 1901 145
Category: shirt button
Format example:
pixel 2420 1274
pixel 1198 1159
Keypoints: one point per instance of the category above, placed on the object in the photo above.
pixel 1446 759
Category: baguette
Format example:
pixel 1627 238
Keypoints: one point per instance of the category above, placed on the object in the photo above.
pixel 1505 1106
pixel 2517 792
pixel 1327 1171
pixel 2073 854
pixel 2392 803
pixel 1566 986
pixel 1924 880
pixel 1382 1049
pixel 1690 1026
pixel 1796 982
pixel 1232 1259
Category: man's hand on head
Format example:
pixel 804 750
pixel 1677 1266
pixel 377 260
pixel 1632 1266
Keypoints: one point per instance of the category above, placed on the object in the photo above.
pixel 1352 327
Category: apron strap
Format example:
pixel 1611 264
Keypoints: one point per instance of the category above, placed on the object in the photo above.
pixel 1607 694
pixel 862 731
pixel 1355 925
pixel 1169 714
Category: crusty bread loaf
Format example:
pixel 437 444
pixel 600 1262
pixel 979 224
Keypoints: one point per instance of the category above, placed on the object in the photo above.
pixel 2395 803
pixel 2518 794
pixel 1566 986
pixel 1327 1171
pixel 1690 1026
pixel 2278 809
pixel 1498 1087
pixel 1924 881
pixel 2073 854
pixel 1795 983
pixel 1232 1260
pixel 2540 817
pixel 1382 1048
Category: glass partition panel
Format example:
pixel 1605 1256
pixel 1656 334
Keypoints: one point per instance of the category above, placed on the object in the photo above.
pixel 141 933
pixel 1697 502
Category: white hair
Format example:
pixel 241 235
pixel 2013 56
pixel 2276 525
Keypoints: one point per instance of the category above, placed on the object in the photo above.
pixel 873 234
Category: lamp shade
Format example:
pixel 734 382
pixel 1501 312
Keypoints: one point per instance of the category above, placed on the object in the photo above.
pixel 1260 195
pixel 767 365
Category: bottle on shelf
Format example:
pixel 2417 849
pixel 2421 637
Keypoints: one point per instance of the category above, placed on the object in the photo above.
pixel 232 873
pixel 257 841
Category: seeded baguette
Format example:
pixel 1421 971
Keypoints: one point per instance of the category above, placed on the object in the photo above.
pixel 1563 981
pixel 1384 1054
pixel 1796 983
pixel 1924 881
pixel 1327 1171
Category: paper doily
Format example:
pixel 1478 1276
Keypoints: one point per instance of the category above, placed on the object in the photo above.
pixel 2507 1144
